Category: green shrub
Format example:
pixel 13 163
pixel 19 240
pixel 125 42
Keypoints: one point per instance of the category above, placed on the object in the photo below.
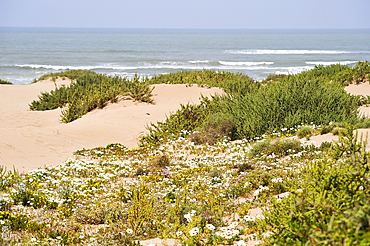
pixel 232 83
pixel 216 127
pixel 337 130
pixel 97 213
pixel 274 78
pixel 4 82
pixel 140 91
pixel 289 103
pixel 7 178
pixel 326 129
pixel 244 167
pixel 183 121
pixel 278 147
pixel 363 123
pixel 29 197
pixel 332 208
pixel 304 131
pixel 141 209
pixel 161 161
pixel 264 110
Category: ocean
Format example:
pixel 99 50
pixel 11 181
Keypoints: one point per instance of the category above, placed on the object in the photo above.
pixel 28 53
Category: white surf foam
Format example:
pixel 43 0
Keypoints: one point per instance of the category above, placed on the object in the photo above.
pixel 291 70
pixel 161 65
pixel 199 61
pixel 284 52
pixel 56 67
pixel 244 63
pixel 331 63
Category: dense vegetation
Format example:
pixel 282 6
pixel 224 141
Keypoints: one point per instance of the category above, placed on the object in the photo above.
pixel 332 205
pixel 4 82
pixel 279 102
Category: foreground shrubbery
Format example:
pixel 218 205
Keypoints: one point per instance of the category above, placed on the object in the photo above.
pixel 332 206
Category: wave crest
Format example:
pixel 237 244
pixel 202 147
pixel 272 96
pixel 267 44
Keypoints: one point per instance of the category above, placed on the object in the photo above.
pixel 285 52
pixel 244 63
pixel 331 63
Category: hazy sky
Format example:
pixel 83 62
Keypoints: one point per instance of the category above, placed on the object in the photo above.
pixel 186 13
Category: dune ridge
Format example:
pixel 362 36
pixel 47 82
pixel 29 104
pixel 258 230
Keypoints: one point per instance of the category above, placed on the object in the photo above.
pixel 32 139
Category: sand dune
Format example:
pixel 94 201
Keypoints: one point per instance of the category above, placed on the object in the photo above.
pixel 31 139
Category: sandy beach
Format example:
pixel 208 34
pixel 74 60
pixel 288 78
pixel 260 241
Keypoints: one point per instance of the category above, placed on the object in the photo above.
pixel 32 139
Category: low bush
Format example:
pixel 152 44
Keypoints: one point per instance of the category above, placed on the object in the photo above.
pixel 214 128
pixel 140 91
pixel 274 78
pixel 8 178
pixel 304 131
pixel 278 147
pixel 288 104
pixel 332 208
pixel 326 129
pixel 184 121
pixel 363 123
pixel 231 83
pixel 5 82
pixel 337 130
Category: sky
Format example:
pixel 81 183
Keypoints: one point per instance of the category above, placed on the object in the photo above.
pixel 210 14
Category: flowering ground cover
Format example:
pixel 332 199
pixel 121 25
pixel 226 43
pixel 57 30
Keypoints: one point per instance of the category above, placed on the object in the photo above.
pixel 198 194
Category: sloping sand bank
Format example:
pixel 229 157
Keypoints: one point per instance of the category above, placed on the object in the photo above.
pixel 32 139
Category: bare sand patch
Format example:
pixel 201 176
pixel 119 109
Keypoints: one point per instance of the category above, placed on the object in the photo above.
pixel 32 139
pixel 362 89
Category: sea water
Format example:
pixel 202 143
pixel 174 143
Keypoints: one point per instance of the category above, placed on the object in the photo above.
pixel 28 53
